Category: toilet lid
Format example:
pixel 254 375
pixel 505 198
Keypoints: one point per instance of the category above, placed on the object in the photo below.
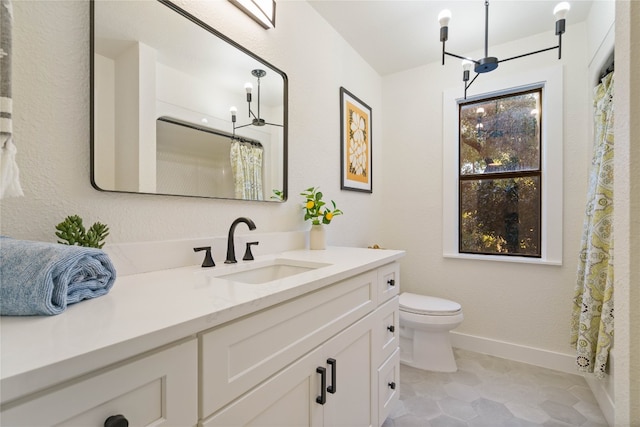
pixel 422 304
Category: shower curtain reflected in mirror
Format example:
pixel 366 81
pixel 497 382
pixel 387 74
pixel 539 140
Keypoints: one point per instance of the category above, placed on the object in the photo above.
pixel 246 164
pixel 592 319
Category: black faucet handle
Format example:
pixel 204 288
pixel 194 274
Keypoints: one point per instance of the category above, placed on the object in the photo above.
pixel 248 256
pixel 208 259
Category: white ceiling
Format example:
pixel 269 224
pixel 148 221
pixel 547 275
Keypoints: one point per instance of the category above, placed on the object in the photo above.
pixel 396 35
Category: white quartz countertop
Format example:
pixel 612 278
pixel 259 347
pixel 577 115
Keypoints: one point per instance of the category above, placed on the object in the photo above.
pixel 146 311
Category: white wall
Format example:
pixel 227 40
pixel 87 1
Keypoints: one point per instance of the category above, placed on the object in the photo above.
pixel 51 129
pixel 626 224
pixel 505 304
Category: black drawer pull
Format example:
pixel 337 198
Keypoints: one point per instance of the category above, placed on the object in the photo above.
pixel 392 385
pixel 332 362
pixel 391 328
pixel 116 421
pixel 391 282
pixel 322 399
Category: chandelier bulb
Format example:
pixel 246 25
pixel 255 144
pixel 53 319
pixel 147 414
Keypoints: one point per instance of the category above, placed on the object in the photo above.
pixel 248 87
pixel 444 17
pixel 233 111
pixel 561 10
pixel 467 64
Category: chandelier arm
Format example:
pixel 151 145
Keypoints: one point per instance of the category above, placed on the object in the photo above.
pixel 273 124
pixel 242 126
pixel 466 86
pixel 529 54
pixel 459 57
pixel 251 114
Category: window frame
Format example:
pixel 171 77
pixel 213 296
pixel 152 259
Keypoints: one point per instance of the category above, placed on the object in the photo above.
pixel 537 172
pixel 551 81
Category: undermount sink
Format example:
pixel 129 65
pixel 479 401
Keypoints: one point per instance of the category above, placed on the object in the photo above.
pixel 272 270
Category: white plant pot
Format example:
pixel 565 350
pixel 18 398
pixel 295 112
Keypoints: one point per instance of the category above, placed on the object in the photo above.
pixel 317 237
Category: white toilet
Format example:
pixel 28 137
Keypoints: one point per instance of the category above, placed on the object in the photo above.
pixel 425 323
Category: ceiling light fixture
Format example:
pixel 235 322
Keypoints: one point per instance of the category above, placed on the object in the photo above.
pixel 261 11
pixel 256 120
pixel 490 63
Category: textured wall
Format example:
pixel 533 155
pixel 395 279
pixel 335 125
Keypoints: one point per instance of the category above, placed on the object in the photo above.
pixel 51 128
pixel 627 221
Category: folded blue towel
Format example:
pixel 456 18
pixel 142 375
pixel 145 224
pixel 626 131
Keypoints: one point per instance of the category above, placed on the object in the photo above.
pixel 38 278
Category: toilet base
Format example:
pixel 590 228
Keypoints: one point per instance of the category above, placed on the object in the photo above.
pixel 426 350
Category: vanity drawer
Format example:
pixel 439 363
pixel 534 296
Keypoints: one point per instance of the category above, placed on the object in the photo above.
pixel 388 281
pixel 387 336
pixel 388 386
pixel 159 389
pixel 239 355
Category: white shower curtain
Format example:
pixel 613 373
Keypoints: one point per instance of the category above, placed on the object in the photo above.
pixel 592 319
pixel 9 173
pixel 246 164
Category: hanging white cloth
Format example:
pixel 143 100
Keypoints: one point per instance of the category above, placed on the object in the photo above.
pixel 246 164
pixel 9 172
pixel 592 318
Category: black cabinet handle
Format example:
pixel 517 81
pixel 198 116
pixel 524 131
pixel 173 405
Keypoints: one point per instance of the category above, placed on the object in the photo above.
pixel 391 282
pixel 392 385
pixel 391 328
pixel 116 421
pixel 322 399
pixel 332 362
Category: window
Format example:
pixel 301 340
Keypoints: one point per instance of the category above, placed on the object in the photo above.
pixel 500 173
pixel 548 82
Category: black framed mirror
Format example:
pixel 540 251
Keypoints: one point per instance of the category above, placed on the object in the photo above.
pixel 162 85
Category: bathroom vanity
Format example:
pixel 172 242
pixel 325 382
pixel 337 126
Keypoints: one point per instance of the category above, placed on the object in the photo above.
pixel 297 338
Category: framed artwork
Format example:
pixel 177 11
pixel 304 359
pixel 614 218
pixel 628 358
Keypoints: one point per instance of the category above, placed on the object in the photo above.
pixel 355 143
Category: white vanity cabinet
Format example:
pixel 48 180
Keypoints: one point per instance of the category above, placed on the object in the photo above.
pixel 313 361
pixel 321 350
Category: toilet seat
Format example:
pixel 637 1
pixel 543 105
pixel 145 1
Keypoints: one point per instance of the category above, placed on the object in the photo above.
pixel 427 305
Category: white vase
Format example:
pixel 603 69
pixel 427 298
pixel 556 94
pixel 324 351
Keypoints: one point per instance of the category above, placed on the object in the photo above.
pixel 317 237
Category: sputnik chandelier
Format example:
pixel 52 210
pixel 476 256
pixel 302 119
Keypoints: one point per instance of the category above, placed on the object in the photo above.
pixel 256 120
pixel 490 63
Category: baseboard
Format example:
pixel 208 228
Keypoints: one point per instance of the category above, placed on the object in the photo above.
pixel 520 353
pixel 601 389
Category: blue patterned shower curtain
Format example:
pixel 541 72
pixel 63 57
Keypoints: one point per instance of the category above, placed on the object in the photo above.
pixel 592 319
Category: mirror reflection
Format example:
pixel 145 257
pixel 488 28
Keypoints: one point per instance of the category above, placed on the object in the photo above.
pixel 179 109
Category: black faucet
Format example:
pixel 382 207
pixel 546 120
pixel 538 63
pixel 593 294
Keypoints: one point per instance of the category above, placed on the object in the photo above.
pixel 231 250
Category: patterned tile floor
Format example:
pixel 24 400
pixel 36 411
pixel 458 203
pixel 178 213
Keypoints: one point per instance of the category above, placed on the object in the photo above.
pixel 487 391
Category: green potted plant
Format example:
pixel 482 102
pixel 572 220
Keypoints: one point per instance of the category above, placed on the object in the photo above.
pixel 72 232
pixel 316 210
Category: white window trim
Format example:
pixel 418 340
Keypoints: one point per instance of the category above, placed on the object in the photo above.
pixel 552 149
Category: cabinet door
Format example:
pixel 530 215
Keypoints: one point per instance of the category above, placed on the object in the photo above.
pixel 353 402
pixel 388 281
pixel 156 389
pixel 388 386
pixel 238 356
pixel 288 399
pixel 387 332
